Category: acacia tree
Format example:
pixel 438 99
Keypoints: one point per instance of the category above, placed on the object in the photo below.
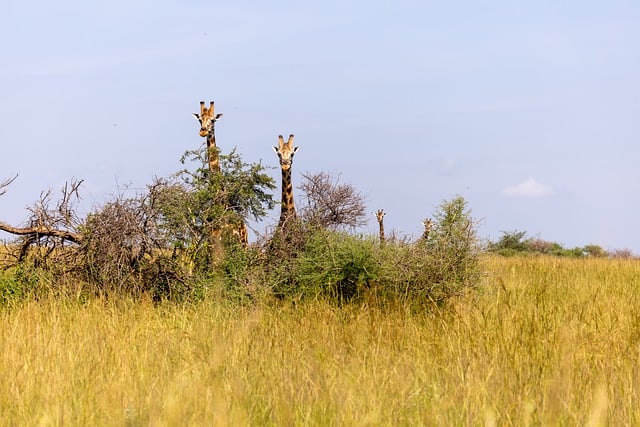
pixel 192 202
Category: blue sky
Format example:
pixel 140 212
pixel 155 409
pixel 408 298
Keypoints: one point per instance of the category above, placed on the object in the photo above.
pixel 530 110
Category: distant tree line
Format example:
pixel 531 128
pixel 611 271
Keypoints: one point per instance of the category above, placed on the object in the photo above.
pixel 518 243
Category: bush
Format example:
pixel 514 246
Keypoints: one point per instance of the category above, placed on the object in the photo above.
pixel 511 243
pixel 15 285
pixel 336 265
pixel 343 267
pixel 595 251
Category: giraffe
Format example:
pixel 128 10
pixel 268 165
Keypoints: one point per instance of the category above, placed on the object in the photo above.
pixel 380 217
pixel 207 119
pixel 285 153
pixel 428 223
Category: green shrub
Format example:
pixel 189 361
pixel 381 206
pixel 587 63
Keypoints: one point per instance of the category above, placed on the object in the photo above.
pixel 343 267
pixel 336 265
pixel 21 282
pixel 511 243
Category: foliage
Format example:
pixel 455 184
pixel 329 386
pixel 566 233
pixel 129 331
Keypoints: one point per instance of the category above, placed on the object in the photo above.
pixel 516 243
pixel 240 189
pixel 16 284
pixel 595 251
pixel 159 242
pixel 453 242
pixel 510 243
pixel 336 265
pixel 343 267
pixel 203 209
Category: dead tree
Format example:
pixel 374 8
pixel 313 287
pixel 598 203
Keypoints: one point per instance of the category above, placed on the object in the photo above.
pixel 331 204
pixel 48 227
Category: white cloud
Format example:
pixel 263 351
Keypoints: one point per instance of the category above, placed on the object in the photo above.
pixel 528 188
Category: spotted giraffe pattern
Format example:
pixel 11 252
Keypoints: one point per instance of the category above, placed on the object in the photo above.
pixel 380 213
pixel 285 152
pixel 207 119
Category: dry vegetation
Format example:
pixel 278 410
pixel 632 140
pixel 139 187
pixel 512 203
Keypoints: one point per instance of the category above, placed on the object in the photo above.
pixel 543 341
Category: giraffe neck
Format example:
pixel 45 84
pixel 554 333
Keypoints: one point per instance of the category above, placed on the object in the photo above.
pixel 287 209
pixel 382 238
pixel 212 152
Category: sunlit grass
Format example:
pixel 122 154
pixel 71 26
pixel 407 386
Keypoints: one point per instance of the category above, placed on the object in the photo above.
pixel 543 341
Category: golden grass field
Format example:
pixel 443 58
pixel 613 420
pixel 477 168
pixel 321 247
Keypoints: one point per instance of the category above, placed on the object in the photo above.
pixel 542 341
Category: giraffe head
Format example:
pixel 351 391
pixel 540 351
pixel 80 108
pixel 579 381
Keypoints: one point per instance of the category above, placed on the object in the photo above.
pixel 380 213
pixel 285 152
pixel 207 118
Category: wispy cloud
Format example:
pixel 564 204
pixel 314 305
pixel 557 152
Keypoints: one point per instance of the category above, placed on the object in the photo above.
pixel 528 188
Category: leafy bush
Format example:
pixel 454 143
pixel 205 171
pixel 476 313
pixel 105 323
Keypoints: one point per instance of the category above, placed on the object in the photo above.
pixel 343 267
pixel 336 265
pixel 511 243
pixel 15 286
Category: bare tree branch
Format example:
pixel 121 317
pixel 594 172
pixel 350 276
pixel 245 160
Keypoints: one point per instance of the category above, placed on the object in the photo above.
pixel 4 184
pixel 48 226
pixel 331 204
pixel 41 231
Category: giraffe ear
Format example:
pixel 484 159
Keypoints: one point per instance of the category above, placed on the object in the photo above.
pixel 275 149
pixel 218 116
pixel 197 116
pixel 295 149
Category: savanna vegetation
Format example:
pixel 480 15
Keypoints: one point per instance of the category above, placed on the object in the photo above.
pixel 150 311
pixel 541 341
pixel 176 241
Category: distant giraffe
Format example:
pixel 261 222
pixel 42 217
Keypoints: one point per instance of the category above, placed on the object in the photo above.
pixel 207 119
pixel 285 153
pixel 380 213
pixel 427 223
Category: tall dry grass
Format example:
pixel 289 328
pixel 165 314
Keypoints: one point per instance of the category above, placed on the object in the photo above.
pixel 542 342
